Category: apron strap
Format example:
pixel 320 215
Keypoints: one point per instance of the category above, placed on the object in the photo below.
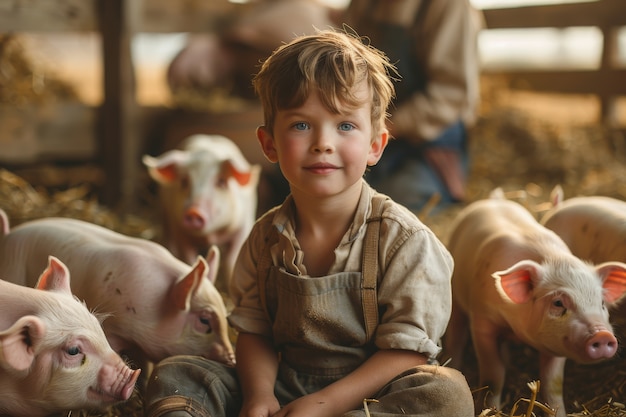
pixel 369 283
pixel 263 268
pixel 369 280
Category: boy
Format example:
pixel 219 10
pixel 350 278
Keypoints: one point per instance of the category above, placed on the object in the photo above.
pixel 341 295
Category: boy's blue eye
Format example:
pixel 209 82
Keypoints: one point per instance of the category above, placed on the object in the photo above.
pixel 346 127
pixel 300 126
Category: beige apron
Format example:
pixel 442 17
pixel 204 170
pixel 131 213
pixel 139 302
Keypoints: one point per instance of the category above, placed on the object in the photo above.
pixel 324 325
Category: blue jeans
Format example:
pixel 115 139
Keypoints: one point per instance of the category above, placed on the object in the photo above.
pixel 404 174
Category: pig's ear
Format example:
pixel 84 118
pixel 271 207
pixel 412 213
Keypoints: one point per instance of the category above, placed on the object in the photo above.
pixel 213 262
pixel 255 171
pixel 613 275
pixel 241 175
pixel 164 169
pixel 56 277
pixel 517 282
pixel 18 343
pixel 184 289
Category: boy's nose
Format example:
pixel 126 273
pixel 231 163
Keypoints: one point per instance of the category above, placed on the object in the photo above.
pixel 322 144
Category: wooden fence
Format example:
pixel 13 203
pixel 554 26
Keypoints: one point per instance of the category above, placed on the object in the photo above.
pixel 116 124
pixel 607 81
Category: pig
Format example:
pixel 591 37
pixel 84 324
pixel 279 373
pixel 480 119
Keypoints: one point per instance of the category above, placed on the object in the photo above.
pixel 156 305
pixel 54 355
pixel 515 278
pixel 209 197
pixel 594 227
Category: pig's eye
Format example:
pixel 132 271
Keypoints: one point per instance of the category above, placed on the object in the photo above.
pixel 73 350
pixel 558 304
pixel 222 182
pixel 207 323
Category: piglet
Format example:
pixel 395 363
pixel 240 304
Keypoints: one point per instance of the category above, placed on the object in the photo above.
pixel 156 305
pixel 515 278
pixel 54 355
pixel 208 195
pixel 594 228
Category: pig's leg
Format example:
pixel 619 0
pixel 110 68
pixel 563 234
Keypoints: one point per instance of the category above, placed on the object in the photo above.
pixel 552 371
pixel 491 369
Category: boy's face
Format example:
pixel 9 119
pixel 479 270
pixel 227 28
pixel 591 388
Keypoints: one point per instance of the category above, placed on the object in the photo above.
pixel 321 153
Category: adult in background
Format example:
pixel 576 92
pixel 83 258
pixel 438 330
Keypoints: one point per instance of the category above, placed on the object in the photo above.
pixel 227 57
pixel 433 44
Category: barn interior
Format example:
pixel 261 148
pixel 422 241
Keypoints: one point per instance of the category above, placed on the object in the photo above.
pixel 83 95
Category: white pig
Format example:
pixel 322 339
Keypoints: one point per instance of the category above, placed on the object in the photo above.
pixel 54 355
pixel 515 278
pixel 209 197
pixel 594 228
pixel 157 305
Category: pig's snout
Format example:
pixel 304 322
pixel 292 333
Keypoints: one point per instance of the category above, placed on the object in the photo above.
pixel 116 383
pixel 601 345
pixel 222 352
pixel 193 219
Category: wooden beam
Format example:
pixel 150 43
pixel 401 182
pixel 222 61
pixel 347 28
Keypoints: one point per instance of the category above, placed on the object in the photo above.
pixel 596 13
pixel 43 16
pixel 188 15
pixel 601 82
pixel 609 60
pixel 117 132
pixel 156 16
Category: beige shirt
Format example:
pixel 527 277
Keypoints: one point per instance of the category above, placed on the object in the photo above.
pixel 445 39
pixel 414 292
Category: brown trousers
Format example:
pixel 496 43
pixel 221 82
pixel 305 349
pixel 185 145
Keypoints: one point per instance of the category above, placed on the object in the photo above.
pixel 196 387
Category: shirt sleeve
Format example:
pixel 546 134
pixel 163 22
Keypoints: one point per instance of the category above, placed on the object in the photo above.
pixel 446 44
pixel 415 294
pixel 248 314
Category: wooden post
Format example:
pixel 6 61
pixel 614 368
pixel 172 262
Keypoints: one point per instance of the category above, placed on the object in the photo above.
pixel 608 103
pixel 117 134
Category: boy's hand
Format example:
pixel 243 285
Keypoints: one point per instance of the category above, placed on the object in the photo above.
pixel 260 407
pixel 312 405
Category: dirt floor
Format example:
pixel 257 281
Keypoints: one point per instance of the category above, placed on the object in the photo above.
pixel 524 143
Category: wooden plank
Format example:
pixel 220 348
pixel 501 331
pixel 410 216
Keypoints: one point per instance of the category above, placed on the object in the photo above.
pixel 47 15
pixel 188 15
pixel 597 13
pixel 602 82
pixel 156 16
pixel 60 132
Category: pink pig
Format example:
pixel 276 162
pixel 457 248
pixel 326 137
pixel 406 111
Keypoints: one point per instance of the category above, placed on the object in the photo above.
pixel 54 355
pixel 209 197
pixel 594 228
pixel 156 305
pixel 515 278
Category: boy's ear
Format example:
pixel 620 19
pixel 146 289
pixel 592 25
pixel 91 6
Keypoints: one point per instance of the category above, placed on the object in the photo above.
pixel 377 147
pixel 267 143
